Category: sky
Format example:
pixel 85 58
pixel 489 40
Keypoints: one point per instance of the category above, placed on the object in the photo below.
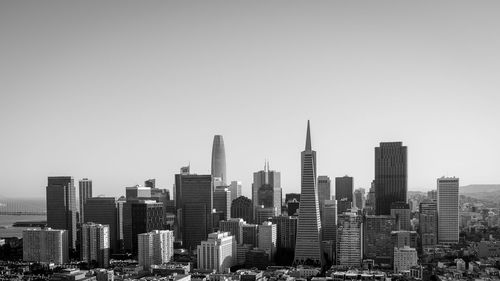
pixel 124 91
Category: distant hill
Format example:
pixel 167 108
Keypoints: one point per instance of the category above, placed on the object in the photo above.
pixel 486 192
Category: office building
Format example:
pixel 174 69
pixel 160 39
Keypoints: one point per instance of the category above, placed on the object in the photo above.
pixel 84 192
pixel 196 209
pixel 137 192
pixel 45 246
pixel 103 210
pixel 235 228
pixel 219 159
pixel 404 259
pixel 427 224
pixel 266 190
pixel 292 207
pixel 235 188
pixel 359 198
pixel 291 196
pixel 267 238
pixel 377 239
pixel 370 201
pixel 308 246
pixel 329 221
pixel 286 231
pixel 155 247
pixel 263 214
pixel 391 176
pixel 257 258
pixel 250 234
pixel 432 195
pixel 120 224
pixel 401 212
pixel 151 183
pixel 349 240
pixel 147 215
pixel 344 193
pixel 61 206
pixel 324 191
pixel 242 207
pixel 95 244
pixel 447 205
pixel 402 238
pixel 218 252
pixel 222 201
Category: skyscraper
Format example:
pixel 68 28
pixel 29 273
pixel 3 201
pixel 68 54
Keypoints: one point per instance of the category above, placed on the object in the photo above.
pixel 235 188
pixel 447 204
pixel 267 238
pixel 324 191
pixel 329 221
pixel 84 192
pixel 266 190
pixel 377 240
pixel 359 198
pixel 196 208
pixel 147 215
pixel 308 246
pixel 349 240
pixel 103 210
pixel 219 159
pixel 155 247
pixel 391 176
pixel 250 234
pixel 45 245
pixel 235 227
pixel 286 231
pixel 344 193
pixel 95 244
pixel 242 207
pixel 222 202
pixel 427 224
pixel 61 206
pixel 401 212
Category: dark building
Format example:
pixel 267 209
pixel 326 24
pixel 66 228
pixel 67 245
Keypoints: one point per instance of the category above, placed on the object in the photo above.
pixel 61 206
pixel 292 207
pixel 428 224
pixel 266 190
pixel 344 193
pixel 103 210
pixel 242 207
pixel 377 244
pixel 84 192
pixel 222 201
pixel 196 208
pixel 391 176
pixel 257 258
pixel 286 231
pixel 401 212
pixel 147 216
pixel 324 191
pixel 151 183
pixel 291 196
pixel 250 234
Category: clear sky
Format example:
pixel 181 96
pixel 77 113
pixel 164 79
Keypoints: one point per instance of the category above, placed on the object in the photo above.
pixel 122 91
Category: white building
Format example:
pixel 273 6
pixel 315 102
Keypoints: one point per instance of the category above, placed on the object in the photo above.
pixel 218 252
pixel 45 245
pixel 95 244
pixel 349 240
pixel 155 247
pixel 267 238
pixel 404 259
pixel 447 205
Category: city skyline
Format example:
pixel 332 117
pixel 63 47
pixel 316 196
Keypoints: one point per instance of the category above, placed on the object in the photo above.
pixel 120 101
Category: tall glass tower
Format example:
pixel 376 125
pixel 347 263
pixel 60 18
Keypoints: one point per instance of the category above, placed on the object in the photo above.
pixel 219 159
pixel 308 245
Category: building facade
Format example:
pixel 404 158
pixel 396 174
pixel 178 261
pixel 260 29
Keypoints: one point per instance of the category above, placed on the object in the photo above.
pixel 219 159
pixel 84 192
pixel 95 244
pixel 45 246
pixel 218 252
pixel 349 240
pixel 61 206
pixel 448 215
pixel 155 247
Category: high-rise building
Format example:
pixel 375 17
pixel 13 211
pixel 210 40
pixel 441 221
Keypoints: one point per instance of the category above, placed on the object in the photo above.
pixel 263 214
pixel 242 207
pixel 266 190
pixel 391 176
pixel 402 238
pixel 401 212
pixel 447 204
pixel 377 240
pixel 103 210
pixel 349 240
pixel 95 244
pixel 61 206
pixel 138 192
pixel 292 207
pixel 250 234
pixel 291 196
pixel 218 252
pixel 147 215
pixel 324 191
pixel 120 224
pixel 308 245
pixel 222 201
pixel 267 238
pixel 359 198
pixel 45 245
pixel 219 159
pixel 427 224
pixel 344 193
pixel 370 201
pixel 155 247
pixel 84 192
pixel 432 195
pixel 404 259
pixel 235 188
pixel 196 208
pixel 151 183
pixel 235 227
pixel 286 231
pixel 329 221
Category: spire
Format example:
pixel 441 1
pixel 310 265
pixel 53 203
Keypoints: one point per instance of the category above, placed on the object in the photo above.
pixel 308 137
